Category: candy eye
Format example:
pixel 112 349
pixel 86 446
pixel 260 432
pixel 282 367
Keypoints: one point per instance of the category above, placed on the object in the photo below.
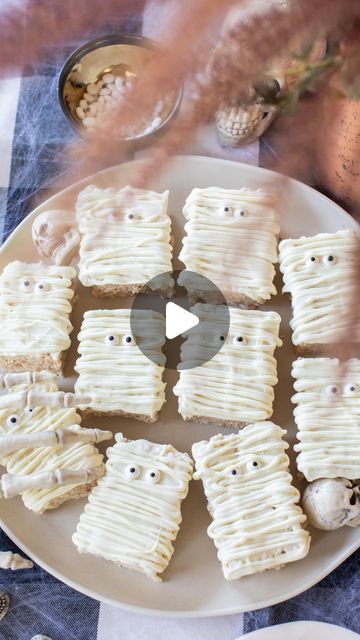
pixel 132 471
pixel 128 340
pixel 27 410
pixel 240 213
pixel 27 285
pixel 130 217
pixel 12 420
pixel 221 338
pixel 233 473
pixel 254 463
pixel 111 339
pixel 225 210
pixel 153 476
pixel 331 390
pixel 41 286
pixel 313 260
pixel 329 259
pixel 349 389
pixel 239 339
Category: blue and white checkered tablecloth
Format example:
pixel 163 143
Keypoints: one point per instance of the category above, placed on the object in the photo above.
pixel 33 133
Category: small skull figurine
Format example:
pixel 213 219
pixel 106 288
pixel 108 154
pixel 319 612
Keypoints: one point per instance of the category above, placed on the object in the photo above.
pixel 331 503
pixel 246 119
pixel 55 236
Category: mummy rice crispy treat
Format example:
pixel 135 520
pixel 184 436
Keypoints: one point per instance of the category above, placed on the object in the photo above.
pixel 257 524
pixel 35 306
pixel 232 240
pixel 235 387
pixel 133 515
pixel 328 417
pixel 125 240
pixel 113 370
pixel 48 457
pixel 319 274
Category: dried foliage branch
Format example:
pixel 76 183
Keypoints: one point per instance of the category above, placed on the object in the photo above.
pixel 238 60
pixel 212 68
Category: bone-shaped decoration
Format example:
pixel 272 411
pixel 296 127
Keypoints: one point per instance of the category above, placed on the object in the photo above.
pixel 33 398
pixel 56 399
pixel 16 400
pixel 27 377
pixel 13 561
pixel 64 437
pixel 12 485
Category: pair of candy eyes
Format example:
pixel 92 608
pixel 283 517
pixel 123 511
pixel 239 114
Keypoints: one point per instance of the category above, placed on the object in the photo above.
pixel 250 466
pixel 236 339
pixel 330 260
pixel 348 389
pixel 113 339
pixel 133 471
pixel 29 286
pixel 130 340
pixel 127 217
pixel 226 210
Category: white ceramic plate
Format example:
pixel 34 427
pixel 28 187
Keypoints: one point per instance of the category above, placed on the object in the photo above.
pixel 304 630
pixel 193 585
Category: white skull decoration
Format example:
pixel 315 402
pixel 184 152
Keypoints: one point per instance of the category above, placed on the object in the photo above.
pixel 55 236
pixel 331 503
pixel 244 120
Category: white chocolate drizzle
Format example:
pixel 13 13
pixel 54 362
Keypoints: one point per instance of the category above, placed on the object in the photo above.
pixel 319 274
pixel 74 456
pixel 131 516
pixel 116 374
pixel 35 307
pixel 257 524
pixel 328 417
pixel 237 383
pixel 125 236
pixel 232 240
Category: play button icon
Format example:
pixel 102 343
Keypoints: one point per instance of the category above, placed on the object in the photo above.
pixel 178 320
pixel 204 326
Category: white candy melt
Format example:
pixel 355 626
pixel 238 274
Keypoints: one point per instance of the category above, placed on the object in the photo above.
pixel 111 368
pixel 108 78
pixel 80 113
pixel 319 273
pixel 133 515
pixel 257 524
pixel 105 249
pixel 89 98
pixel 93 89
pixel 328 417
pixel 237 383
pixel 29 461
pixel 236 253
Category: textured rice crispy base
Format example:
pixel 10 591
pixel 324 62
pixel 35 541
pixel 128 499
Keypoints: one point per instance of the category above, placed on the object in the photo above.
pixel 231 424
pixel 42 362
pixel 75 494
pixel 232 299
pixel 153 576
pixel 313 349
pixel 124 414
pixel 125 291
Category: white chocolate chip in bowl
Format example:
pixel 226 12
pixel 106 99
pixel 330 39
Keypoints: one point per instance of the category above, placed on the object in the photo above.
pixel 103 72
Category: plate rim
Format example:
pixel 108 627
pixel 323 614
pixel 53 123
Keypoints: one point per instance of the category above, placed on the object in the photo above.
pixel 91 592
pixel 160 613
pixel 249 167
pixel 253 635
